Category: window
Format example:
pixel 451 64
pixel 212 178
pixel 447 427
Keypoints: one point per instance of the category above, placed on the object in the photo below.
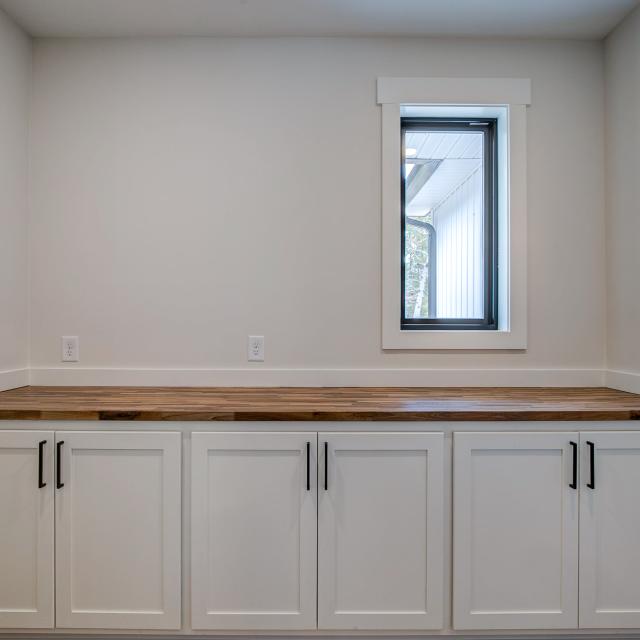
pixel 449 224
pixel 454 221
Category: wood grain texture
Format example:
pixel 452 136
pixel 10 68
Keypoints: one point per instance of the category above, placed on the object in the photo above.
pixel 321 404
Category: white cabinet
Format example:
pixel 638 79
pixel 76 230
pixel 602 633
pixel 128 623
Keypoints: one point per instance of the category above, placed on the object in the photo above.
pixel 118 522
pixel 610 530
pixel 337 531
pixel 26 529
pixel 380 534
pixel 253 530
pixel 515 531
pixel 523 558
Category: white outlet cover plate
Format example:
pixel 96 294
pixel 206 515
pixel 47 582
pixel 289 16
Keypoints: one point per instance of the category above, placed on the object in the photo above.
pixel 255 349
pixel 70 349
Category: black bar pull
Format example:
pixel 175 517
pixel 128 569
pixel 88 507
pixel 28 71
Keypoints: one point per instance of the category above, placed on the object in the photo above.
pixel 592 464
pixel 59 483
pixel 326 466
pixel 574 448
pixel 308 466
pixel 41 483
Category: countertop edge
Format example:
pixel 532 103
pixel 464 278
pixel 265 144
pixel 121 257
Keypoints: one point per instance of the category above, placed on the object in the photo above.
pixel 453 415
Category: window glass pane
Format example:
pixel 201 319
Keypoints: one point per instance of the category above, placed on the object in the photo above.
pixel 419 262
pixel 444 224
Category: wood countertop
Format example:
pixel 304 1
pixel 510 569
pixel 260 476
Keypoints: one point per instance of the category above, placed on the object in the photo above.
pixel 321 404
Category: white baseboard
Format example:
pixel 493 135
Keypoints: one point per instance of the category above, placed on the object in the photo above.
pixel 13 379
pixel 261 377
pixel 623 380
pixel 564 634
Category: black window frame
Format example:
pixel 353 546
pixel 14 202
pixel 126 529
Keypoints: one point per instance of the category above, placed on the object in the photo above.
pixel 489 127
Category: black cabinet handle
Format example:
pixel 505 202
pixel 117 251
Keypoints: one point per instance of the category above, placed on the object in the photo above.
pixel 326 466
pixel 59 483
pixel 308 466
pixel 41 483
pixel 574 447
pixel 592 465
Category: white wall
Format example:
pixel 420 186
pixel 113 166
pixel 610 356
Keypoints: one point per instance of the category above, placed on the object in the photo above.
pixel 188 192
pixel 622 59
pixel 15 75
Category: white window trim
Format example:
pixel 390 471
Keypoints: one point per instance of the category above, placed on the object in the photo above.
pixel 514 94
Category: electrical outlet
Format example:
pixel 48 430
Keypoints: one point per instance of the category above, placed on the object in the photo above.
pixel 70 349
pixel 255 349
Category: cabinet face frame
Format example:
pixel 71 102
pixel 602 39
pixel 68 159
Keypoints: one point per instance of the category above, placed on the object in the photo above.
pixel 41 616
pixel 389 445
pixel 165 445
pixel 600 516
pixel 464 615
pixel 298 503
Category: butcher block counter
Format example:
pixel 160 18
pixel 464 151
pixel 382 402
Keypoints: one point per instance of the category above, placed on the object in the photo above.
pixel 317 404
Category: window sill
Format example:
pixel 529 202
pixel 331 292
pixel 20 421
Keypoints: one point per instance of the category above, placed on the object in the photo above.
pixel 447 339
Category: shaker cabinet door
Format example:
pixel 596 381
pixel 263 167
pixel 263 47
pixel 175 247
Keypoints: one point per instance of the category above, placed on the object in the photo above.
pixel 380 531
pixel 515 531
pixel 253 531
pixel 26 529
pixel 610 530
pixel 118 523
